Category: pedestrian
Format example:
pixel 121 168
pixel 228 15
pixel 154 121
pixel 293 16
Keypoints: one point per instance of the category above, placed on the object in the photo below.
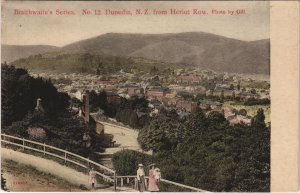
pixel 140 174
pixel 152 186
pixel 92 177
pixel 157 174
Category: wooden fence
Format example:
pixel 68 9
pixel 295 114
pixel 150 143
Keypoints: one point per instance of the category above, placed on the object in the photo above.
pixel 102 171
pixel 106 173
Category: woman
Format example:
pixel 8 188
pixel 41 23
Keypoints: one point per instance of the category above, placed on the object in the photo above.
pixel 140 174
pixel 152 186
pixel 92 177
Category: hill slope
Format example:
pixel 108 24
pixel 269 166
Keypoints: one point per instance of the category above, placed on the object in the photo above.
pixel 11 53
pixel 87 63
pixel 193 48
pixel 204 50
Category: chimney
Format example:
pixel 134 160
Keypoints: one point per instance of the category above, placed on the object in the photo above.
pixel 86 107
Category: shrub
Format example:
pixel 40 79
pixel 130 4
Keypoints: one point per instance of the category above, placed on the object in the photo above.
pixel 125 162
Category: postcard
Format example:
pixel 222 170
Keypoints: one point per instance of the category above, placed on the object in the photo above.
pixel 149 96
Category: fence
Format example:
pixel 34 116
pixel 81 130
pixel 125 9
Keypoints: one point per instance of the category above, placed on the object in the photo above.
pixel 105 173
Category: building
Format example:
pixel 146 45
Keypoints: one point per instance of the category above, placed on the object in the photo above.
pixel 210 105
pixel 191 79
pixel 112 98
pixel 187 106
pixel 79 95
pixel 135 90
pixel 239 119
pixel 247 95
pixel 99 128
pixel 156 93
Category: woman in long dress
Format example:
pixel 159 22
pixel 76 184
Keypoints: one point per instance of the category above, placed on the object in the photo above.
pixel 92 177
pixel 152 186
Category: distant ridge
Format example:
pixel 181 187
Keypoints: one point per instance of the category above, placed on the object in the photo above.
pixel 205 50
pixel 11 53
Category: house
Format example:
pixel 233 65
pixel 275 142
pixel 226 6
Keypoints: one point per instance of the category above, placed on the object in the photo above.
pixel 156 93
pixel 191 79
pixel 155 104
pixel 223 91
pixel 79 95
pixel 247 95
pixel 209 104
pixel 135 90
pixel 99 128
pixel 187 106
pixel 239 119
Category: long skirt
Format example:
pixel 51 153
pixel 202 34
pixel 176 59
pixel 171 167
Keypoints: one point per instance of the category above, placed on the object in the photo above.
pixel 141 184
pixel 152 187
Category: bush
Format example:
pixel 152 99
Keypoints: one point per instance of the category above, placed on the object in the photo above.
pixel 126 162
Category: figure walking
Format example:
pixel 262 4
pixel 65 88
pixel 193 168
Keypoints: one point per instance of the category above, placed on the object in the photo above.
pixel 140 174
pixel 92 177
pixel 157 174
pixel 152 187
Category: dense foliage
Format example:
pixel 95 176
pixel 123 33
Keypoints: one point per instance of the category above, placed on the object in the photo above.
pixel 206 152
pixel 93 63
pixel 126 161
pixel 63 129
pixel 133 112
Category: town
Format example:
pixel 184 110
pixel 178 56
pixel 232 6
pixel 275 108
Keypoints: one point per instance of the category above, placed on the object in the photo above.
pixel 183 90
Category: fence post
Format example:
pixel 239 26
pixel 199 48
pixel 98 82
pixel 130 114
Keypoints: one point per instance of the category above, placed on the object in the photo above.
pixel 44 149
pixel 23 143
pixel 115 183
pixel 122 182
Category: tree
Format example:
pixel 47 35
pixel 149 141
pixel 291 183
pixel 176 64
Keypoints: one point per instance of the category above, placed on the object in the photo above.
pixel 102 99
pixel 242 112
pixel 253 91
pixel 154 70
pixel 259 119
pixel 164 132
pixel 238 87
pixel 195 123
pixel 94 100
pixel 125 162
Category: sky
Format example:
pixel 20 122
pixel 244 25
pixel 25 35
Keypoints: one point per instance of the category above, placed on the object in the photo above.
pixel 62 30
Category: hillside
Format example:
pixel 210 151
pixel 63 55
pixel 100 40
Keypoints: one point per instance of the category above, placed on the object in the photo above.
pixel 11 53
pixel 87 63
pixel 204 50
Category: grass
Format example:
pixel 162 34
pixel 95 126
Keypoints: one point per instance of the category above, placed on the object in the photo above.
pixel 18 169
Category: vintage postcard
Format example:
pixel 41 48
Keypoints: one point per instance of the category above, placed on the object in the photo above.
pixel 149 96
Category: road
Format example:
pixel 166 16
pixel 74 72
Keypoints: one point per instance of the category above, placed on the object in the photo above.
pixel 125 138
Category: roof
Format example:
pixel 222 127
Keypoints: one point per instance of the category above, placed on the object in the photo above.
pixel 189 78
pixel 210 102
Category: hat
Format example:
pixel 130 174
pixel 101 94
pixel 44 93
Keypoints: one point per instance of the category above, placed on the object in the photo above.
pixel 141 165
pixel 151 165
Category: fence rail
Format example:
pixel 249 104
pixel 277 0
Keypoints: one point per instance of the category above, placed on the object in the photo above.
pixel 60 154
pixel 66 157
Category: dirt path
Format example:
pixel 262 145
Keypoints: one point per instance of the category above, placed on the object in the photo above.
pixel 46 166
pixel 25 172
pixel 125 139
pixel 22 178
